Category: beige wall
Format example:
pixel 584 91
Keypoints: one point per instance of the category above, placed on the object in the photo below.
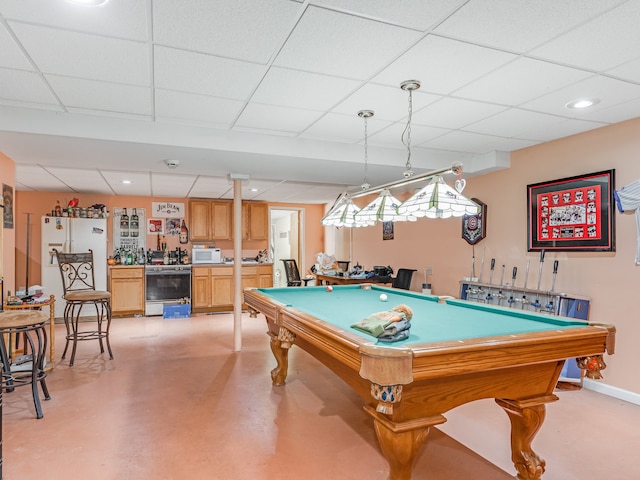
pixel 8 237
pixel 39 203
pixel 610 280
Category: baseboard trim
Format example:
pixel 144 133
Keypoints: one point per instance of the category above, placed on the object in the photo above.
pixel 615 392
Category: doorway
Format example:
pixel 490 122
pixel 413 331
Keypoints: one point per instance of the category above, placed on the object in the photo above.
pixel 285 241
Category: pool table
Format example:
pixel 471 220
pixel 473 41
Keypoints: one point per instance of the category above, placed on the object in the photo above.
pixel 457 352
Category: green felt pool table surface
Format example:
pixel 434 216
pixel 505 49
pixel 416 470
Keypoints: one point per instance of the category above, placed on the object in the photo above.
pixel 432 321
pixel 457 352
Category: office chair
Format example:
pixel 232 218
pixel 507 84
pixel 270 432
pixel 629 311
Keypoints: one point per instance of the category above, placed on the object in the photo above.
pixel 78 283
pixel 403 278
pixel 293 274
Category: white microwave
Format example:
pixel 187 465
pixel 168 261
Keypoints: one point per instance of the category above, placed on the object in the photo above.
pixel 206 255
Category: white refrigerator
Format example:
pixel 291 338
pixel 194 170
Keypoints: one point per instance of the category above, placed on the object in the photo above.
pixel 72 235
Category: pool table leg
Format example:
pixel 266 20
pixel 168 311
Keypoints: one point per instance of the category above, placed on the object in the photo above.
pixel 280 345
pixel 526 419
pixel 400 442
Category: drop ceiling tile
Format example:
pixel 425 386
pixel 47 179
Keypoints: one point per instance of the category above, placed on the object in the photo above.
pixel 240 29
pixel 205 74
pixel 609 40
pixel 519 25
pixel 36 178
pixel 392 136
pixel 529 125
pixel 628 71
pixel 81 180
pixel 285 119
pixel 338 127
pixel 171 184
pixel 618 113
pixel 86 56
pixel 10 55
pixel 95 95
pixel 291 88
pixel 388 103
pixel 210 187
pixel 343 45
pixel 521 81
pixel 116 19
pixel 610 92
pixel 23 86
pixel 455 113
pixel 442 65
pixel 197 108
pixel 140 182
pixel 416 14
pixel 510 124
pixel 461 141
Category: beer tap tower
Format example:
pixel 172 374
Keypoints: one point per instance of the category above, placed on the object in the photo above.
pixel 536 300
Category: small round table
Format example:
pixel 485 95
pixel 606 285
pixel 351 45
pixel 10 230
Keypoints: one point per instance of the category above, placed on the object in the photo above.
pixel 52 321
pixel 28 368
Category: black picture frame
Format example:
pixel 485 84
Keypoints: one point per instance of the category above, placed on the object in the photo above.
pixel 572 214
pixel 7 202
pixel 387 230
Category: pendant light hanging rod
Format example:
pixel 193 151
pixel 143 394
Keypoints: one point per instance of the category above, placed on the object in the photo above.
pixel 409 86
pixel 456 168
pixel 366 114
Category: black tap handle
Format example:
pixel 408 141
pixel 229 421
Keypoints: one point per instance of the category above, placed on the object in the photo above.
pixel 515 272
pixel 555 267
pixel 493 263
pixel 541 256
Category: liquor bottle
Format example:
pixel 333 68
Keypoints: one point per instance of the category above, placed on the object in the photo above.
pixel 134 224
pixel 58 209
pixel 164 244
pixel 124 224
pixel 158 244
pixel 184 233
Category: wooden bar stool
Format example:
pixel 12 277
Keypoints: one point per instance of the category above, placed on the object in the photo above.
pixel 29 367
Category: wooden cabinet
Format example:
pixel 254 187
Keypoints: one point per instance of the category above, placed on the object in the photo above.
pixel 255 221
pixel 265 276
pixel 210 220
pixel 126 284
pixel 200 287
pixel 213 286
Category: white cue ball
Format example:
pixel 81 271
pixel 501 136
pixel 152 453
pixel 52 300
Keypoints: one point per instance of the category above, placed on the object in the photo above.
pixel 383 297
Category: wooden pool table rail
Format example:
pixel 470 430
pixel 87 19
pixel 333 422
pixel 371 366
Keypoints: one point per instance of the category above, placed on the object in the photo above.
pixel 407 390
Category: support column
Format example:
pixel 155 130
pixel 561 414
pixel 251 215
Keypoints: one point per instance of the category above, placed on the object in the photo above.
pixel 237 259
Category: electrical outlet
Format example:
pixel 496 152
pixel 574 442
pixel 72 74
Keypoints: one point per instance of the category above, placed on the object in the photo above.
pixel 429 271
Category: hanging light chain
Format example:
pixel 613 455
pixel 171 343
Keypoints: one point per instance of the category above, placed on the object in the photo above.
pixel 366 114
pixel 410 86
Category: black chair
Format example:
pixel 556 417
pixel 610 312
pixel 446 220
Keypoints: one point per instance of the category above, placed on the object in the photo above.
pixel 78 283
pixel 403 278
pixel 293 274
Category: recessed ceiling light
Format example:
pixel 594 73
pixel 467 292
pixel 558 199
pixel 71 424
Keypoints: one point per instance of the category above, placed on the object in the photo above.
pixel 88 3
pixel 253 189
pixel 582 103
pixel 126 182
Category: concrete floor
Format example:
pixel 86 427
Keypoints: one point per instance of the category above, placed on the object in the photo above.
pixel 176 403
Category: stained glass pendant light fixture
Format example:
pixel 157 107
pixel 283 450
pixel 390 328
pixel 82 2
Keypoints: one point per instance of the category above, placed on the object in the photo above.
pixel 383 209
pixel 439 200
pixel 436 200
